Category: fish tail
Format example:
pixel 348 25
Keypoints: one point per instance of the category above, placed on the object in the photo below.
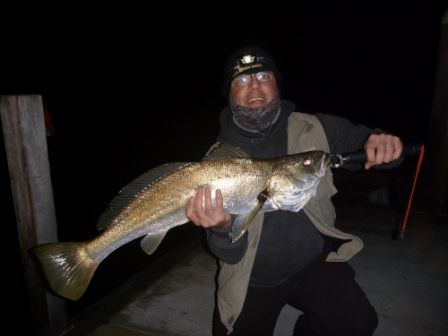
pixel 67 267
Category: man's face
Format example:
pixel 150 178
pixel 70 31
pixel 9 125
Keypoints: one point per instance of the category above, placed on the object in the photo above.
pixel 254 90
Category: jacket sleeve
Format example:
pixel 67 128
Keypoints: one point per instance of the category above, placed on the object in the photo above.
pixel 222 247
pixel 342 134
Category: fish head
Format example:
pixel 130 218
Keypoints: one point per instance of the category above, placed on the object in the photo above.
pixel 307 168
pixel 296 178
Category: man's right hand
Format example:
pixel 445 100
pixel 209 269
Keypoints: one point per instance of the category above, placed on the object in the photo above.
pixel 202 211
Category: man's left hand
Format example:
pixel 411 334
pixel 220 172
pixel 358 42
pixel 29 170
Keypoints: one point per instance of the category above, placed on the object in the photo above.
pixel 382 148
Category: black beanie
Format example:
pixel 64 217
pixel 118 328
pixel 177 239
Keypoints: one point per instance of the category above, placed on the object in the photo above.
pixel 248 60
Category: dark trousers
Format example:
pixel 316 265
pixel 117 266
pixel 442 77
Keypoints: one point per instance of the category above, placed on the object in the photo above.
pixel 326 292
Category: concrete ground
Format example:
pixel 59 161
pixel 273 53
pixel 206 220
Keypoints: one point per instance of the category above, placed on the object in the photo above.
pixel 405 279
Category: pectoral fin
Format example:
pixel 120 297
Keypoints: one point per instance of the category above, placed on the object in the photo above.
pixel 242 223
pixel 152 241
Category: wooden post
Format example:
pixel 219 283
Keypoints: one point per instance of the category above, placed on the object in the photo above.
pixel 435 179
pixel 26 149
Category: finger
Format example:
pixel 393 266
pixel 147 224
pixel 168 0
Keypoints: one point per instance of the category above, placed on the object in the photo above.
pixel 389 150
pixel 220 213
pixel 224 217
pixel 190 212
pixel 189 207
pixel 370 151
pixel 219 202
pixel 380 152
pixel 398 148
pixel 198 204
pixel 208 208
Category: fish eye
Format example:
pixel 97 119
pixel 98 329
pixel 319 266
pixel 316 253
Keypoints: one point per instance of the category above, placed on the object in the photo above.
pixel 307 161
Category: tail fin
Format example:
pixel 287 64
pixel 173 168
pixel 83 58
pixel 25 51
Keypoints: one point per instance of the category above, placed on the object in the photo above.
pixel 67 266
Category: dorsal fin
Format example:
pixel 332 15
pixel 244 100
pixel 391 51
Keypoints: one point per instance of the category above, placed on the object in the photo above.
pixel 131 190
pixel 221 150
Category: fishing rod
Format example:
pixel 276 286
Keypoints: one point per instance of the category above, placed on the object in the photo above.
pixel 409 150
pixel 360 156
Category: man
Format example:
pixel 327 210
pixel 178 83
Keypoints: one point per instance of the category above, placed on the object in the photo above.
pixel 286 257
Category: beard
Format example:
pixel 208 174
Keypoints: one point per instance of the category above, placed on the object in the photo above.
pixel 255 119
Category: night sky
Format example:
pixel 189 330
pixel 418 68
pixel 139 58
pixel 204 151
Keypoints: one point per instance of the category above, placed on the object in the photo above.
pixel 130 88
pixel 371 62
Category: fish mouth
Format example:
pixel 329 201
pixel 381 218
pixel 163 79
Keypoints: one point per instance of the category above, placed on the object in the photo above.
pixel 326 162
pixel 324 165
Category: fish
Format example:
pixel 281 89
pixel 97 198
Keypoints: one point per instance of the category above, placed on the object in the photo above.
pixel 155 202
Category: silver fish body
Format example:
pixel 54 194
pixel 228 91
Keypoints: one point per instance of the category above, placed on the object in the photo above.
pixel 155 202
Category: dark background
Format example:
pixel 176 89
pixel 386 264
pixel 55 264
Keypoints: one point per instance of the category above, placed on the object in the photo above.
pixel 130 88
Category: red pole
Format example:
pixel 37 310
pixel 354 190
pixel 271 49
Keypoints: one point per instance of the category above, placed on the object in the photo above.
pixel 403 228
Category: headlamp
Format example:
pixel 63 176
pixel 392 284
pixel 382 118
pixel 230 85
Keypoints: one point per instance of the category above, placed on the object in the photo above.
pixel 245 62
pixel 247 59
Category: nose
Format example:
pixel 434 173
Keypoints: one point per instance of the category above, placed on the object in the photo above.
pixel 254 81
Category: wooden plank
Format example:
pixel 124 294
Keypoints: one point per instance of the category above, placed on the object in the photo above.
pixel 26 149
pixel 435 177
